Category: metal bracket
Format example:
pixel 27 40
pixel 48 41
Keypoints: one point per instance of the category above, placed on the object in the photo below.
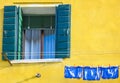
pixel 6 58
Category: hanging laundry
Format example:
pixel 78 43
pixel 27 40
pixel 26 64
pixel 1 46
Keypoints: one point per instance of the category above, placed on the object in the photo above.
pixel 73 72
pixel 28 44
pixel 91 73
pixel 32 44
pixel 35 44
pixel 110 72
pixel 49 44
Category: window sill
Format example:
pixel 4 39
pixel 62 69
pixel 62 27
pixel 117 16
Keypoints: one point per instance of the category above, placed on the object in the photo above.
pixel 35 60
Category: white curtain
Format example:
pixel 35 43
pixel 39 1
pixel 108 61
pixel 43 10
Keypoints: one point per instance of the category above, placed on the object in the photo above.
pixel 32 44
pixel 27 44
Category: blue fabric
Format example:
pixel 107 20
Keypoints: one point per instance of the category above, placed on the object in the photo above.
pixel 52 44
pixel 46 44
pixel 110 72
pixel 73 72
pixel 49 44
pixel 91 73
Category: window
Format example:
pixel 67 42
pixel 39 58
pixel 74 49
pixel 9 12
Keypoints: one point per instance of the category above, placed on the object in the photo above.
pixel 36 32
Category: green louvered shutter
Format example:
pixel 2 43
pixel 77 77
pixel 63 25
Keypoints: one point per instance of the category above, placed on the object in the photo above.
pixel 63 24
pixel 10 29
pixel 19 32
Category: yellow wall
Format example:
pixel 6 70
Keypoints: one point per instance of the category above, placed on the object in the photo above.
pixel 95 40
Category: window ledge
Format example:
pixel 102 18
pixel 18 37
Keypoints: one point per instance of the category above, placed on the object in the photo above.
pixel 36 60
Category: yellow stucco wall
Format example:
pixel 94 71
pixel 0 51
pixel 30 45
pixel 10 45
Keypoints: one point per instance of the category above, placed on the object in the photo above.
pixel 95 40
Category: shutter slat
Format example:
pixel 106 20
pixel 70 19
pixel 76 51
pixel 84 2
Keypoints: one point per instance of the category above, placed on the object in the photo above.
pixel 63 45
pixel 64 12
pixel 8 40
pixel 62 19
pixel 7 33
pixel 9 14
pixel 63 25
pixel 62 53
pixel 62 31
pixel 64 7
pixel 63 39
pixel 9 26
pixel 9 47
pixel 9 20
pixel 10 8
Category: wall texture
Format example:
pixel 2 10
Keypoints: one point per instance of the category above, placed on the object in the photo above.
pixel 95 41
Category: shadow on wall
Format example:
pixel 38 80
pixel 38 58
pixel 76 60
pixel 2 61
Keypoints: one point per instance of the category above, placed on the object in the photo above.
pixel 5 65
pixel 27 79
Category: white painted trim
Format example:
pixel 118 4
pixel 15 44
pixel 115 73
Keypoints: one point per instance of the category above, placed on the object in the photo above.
pixel 36 60
pixel 37 5
pixel 38 10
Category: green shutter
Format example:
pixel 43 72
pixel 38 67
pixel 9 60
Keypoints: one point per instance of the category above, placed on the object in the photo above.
pixel 9 32
pixel 63 22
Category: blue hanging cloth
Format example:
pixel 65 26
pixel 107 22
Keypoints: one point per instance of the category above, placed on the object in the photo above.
pixel 110 72
pixel 91 73
pixel 73 72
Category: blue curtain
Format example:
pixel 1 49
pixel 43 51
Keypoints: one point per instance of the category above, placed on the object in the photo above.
pixel 49 44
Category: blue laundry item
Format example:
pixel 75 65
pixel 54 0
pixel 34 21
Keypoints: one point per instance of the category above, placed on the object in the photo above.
pixel 91 73
pixel 52 54
pixel 49 44
pixel 73 72
pixel 110 72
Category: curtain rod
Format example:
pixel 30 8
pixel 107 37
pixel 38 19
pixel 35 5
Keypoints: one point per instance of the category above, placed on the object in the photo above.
pixel 39 29
pixel 37 2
